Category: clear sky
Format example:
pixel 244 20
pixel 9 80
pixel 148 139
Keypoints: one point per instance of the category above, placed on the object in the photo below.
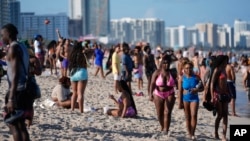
pixel 174 12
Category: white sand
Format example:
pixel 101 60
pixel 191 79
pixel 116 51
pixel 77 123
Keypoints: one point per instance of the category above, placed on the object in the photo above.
pixel 62 124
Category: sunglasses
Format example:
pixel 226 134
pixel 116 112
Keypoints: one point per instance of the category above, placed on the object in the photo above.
pixel 188 68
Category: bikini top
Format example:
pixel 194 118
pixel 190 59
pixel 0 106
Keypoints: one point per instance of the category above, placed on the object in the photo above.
pixel 170 81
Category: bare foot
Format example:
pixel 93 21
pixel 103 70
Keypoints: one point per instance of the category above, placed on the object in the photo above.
pixel 216 136
pixel 224 138
pixel 235 115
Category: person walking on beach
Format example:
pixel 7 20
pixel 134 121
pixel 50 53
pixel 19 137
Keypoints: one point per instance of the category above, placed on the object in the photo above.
pixel 99 55
pixel 189 86
pixel 39 51
pixel 52 56
pixel 78 75
pixel 109 61
pixel 246 83
pixel 149 64
pixel 125 103
pixel 195 61
pixel 220 94
pixel 138 67
pixel 231 77
pixel 127 65
pixel 162 93
pixel 16 101
pixel 116 68
pixel 66 50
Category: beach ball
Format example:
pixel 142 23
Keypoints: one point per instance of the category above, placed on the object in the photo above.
pixel 46 21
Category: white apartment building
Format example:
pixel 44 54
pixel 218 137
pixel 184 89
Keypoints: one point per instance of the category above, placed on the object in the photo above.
pixel 136 30
pixel 32 24
pixel 10 12
pixel 75 9
pixel 183 38
pixel 239 28
pixel 173 37
pixel 192 36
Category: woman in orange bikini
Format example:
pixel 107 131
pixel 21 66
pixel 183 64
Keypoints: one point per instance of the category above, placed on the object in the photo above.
pixel 162 93
pixel 220 94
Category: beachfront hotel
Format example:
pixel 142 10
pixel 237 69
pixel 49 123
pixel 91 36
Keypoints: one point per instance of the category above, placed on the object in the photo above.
pixel 135 30
pixel 92 15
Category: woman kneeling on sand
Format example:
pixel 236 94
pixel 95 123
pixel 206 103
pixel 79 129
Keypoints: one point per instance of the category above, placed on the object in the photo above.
pixel 162 93
pixel 61 93
pixel 125 103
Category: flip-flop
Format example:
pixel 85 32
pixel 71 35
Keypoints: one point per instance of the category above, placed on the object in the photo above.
pixel 11 117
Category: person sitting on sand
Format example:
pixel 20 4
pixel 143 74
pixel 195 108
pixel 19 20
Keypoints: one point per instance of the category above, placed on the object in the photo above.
pixel 125 103
pixel 61 93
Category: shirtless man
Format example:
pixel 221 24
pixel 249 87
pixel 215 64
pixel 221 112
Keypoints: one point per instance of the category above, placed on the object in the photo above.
pixel 195 61
pixel 231 83
pixel 65 55
pixel 138 67
pixel 17 101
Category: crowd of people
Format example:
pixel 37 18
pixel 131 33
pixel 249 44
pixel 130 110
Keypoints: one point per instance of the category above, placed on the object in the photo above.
pixel 169 75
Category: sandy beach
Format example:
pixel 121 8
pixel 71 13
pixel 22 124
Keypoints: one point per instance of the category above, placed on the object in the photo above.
pixel 57 124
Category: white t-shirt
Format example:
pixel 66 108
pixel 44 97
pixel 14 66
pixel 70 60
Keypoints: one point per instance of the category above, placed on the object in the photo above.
pixel 60 93
pixel 36 46
pixel 185 54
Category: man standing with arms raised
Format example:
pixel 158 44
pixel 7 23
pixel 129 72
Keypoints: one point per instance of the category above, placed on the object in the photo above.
pixel 16 100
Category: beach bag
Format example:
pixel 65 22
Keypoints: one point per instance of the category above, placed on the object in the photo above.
pixel 224 98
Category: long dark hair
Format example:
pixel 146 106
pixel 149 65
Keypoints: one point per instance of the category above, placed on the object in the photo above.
pixel 125 87
pixel 76 57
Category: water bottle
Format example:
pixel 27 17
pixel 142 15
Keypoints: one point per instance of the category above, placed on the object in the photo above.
pixel 198 86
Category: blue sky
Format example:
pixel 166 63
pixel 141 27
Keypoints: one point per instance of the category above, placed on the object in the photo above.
pixel 174 12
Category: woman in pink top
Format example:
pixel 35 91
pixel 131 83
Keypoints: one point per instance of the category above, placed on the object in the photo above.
pixel 162 93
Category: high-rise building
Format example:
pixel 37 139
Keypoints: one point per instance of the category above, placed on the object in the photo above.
pixel 15 11
pixel 95 16
pixel 192 36
pixel 10 12
pixel 173 37
pixel 32 24
pixel 136 30
pixel 75 9
pixel 4 12
pixel 240 27
pixel 183 39
pixel 223 37
pixel 202 29
pixel 212 34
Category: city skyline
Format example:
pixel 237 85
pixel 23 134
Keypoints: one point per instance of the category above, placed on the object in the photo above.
pixel 173 12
